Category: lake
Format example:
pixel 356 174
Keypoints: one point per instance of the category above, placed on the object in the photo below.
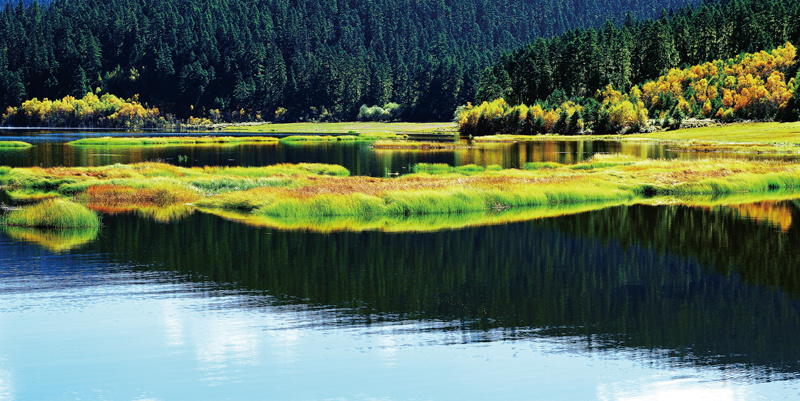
pixel 630 302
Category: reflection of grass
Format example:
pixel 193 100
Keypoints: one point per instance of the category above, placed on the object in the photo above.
pixel 402 223
pixel 173 140
pixel 351 127
pixel 52 213
pixel 10 145
pixel 55 240
pixel 417 145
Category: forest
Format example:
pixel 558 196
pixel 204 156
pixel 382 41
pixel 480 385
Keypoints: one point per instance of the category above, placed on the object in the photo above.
pixel 283 60
pixel 705 61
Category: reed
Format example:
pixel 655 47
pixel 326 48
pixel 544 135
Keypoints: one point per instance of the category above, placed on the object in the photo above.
pixel 52 213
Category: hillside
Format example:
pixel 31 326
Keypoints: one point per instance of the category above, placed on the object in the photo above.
pixel 580 62
pixel 280 59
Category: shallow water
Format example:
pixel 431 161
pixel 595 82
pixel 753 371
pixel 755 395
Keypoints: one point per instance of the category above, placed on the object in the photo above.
pixel 629 302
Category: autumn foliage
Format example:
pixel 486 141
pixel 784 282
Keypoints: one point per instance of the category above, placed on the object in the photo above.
pixel 750 86
pixel 107 111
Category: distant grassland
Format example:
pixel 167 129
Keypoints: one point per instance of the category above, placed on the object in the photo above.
pixel 310 192
pixel 763 133
pixel 761 137
pixel 349 128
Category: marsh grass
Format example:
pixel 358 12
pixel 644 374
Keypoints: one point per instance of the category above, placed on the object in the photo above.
pixel 52 213
pixel 28 196
pixel 54 240
pixel 11 145
pixel 173 141
pixel 306 191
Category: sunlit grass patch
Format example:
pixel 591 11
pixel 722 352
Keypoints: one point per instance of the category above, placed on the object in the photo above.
pixel 119 198
pixel 52 213
pixel 14 145
pixel 28 196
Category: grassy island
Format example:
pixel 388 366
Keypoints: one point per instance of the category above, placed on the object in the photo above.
pixel 304 191
pixel 14 145
pixel 173 141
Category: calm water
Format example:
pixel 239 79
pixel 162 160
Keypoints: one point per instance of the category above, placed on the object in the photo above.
pixel 624 303
pixel 360 158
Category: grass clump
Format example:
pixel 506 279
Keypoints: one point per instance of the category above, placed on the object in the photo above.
pixel 52 213
pixel 14 145
pixel 541 166
pixel 441 168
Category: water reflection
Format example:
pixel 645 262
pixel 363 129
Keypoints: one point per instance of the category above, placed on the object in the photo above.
pixel 359 158
pixel 690 281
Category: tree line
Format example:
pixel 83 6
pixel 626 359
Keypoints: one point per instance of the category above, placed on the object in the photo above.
pixel 279 59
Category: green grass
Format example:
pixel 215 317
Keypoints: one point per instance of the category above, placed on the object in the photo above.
pixel 441 168
pixel 52 213
pixel 6 145
pixel 302 139
pixel 172 141
pixel 363 128
pixel 304 191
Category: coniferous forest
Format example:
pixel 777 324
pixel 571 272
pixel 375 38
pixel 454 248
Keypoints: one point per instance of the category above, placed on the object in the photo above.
pixel 291 60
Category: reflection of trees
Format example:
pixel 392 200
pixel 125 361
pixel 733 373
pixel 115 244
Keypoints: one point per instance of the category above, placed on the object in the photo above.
pixel 672 278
